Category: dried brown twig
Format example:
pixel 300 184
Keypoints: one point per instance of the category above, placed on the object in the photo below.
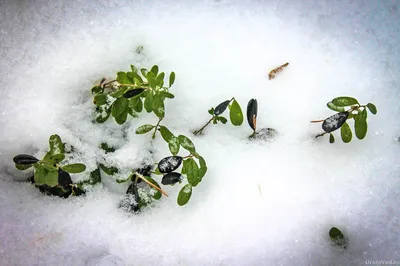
pixel 275 71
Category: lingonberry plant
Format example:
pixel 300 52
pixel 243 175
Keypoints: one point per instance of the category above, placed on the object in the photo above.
pixel 235 114
pixel 50 176
pixel 347 108
pixel 130 92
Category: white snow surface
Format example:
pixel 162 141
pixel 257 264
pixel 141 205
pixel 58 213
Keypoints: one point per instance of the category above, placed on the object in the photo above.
pixel 261 203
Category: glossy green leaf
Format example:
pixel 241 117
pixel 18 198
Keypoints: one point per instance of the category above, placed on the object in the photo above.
pixel 361 125
pixel 136 104
pixel 165 133
pixel 334 107
pixel 43 176
pixel 109 170
pixel 134 69
pixel 119 106
pixel 222 119
pixel 23 167
pixel 154 69
pixel 120 119
pixel 122 78
pixel 151 79
pixel 192 172
pixel 132 112
pixel 74 168
pixel 203 167
pixel 186 143
pixel 106 148
pixel 100 99
pixel 137 78
pixel 118 93
pixel 331 138
pixel 144 129
pixel 184 195
pixel 56 158
pixel 236 114
pixel 372 108
pixel 148 102
pixel 144 72
pixel 167 94
pixel 173 145
pixel 346 133
pixel 344 101
pixel 96 89
pixel 56 145
pixel 159 111
pixel 171 78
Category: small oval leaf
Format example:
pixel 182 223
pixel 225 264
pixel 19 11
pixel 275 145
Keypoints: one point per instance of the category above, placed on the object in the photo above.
pixel 344 101
pixel 165 133
pixel 236 114
pixel 25 159
pixel 184 195
pixel 186 143
pixel 144 129
pixel 174 145
pixel 360 124
pixel 221 107
pixel 334 107
pixel 169 164
pixel 171 178
pixel 334 122
pixel 74 168
pixel 346 133
pixel 252 108
pixel 171 78
pixel 119 106
pixel 331 138
pixel 148 102
pixel 372 108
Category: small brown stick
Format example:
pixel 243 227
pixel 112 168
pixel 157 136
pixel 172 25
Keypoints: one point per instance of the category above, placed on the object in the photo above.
pixel 151 184
pixel 317 121
pixel 275 71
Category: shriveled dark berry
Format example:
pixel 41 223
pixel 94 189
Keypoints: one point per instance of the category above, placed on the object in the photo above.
pixel 169 164
pixel 221 107
pixel 252 108
pixel 133 93
pixel 334 122
pixel 64 179
pixel 171 178
pixel 25 159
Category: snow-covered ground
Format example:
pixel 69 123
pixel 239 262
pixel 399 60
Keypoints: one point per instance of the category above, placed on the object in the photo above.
pixel 261 203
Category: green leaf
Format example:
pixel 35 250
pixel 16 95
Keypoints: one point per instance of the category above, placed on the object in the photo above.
pixel 122 117
pixel 154 69
pixel 122 78
pixel 334 107
pixel 119 106
pixel 344 101
pixel 160 79
pixel 165 133
pixel 236 114
pixel 171 78
pixel 56 158
pixel 120 181
pixel 184 167
pixel 211 111
pixel 203 167
pixel 184 195
pixel 151 79
pixel 186 143
pixel 331 138
pixel 372 108
pixel 100 99
pixel 23 167
pixel 159 111
pixel 167 95
pixel 157 172
pixel 148 102
pixel 134 69
pixel 43 176
pixel 192 172
pixel 132 112
pixel 96 89
pixel 157 194
pixel 337 237
pixel 107 149
pixel 56 145
pixel 144 72
pixel 136 104
pixel 74 168
pixel 222 119
pixel 137 78
pixel 346 133
pixel 360 124
pixel 173 145
pixel 144 129
pixel 109 170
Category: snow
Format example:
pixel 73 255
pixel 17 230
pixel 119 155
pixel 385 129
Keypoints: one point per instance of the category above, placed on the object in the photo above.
pixel 260 203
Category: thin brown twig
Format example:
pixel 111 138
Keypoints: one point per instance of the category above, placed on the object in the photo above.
pixel 151 184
